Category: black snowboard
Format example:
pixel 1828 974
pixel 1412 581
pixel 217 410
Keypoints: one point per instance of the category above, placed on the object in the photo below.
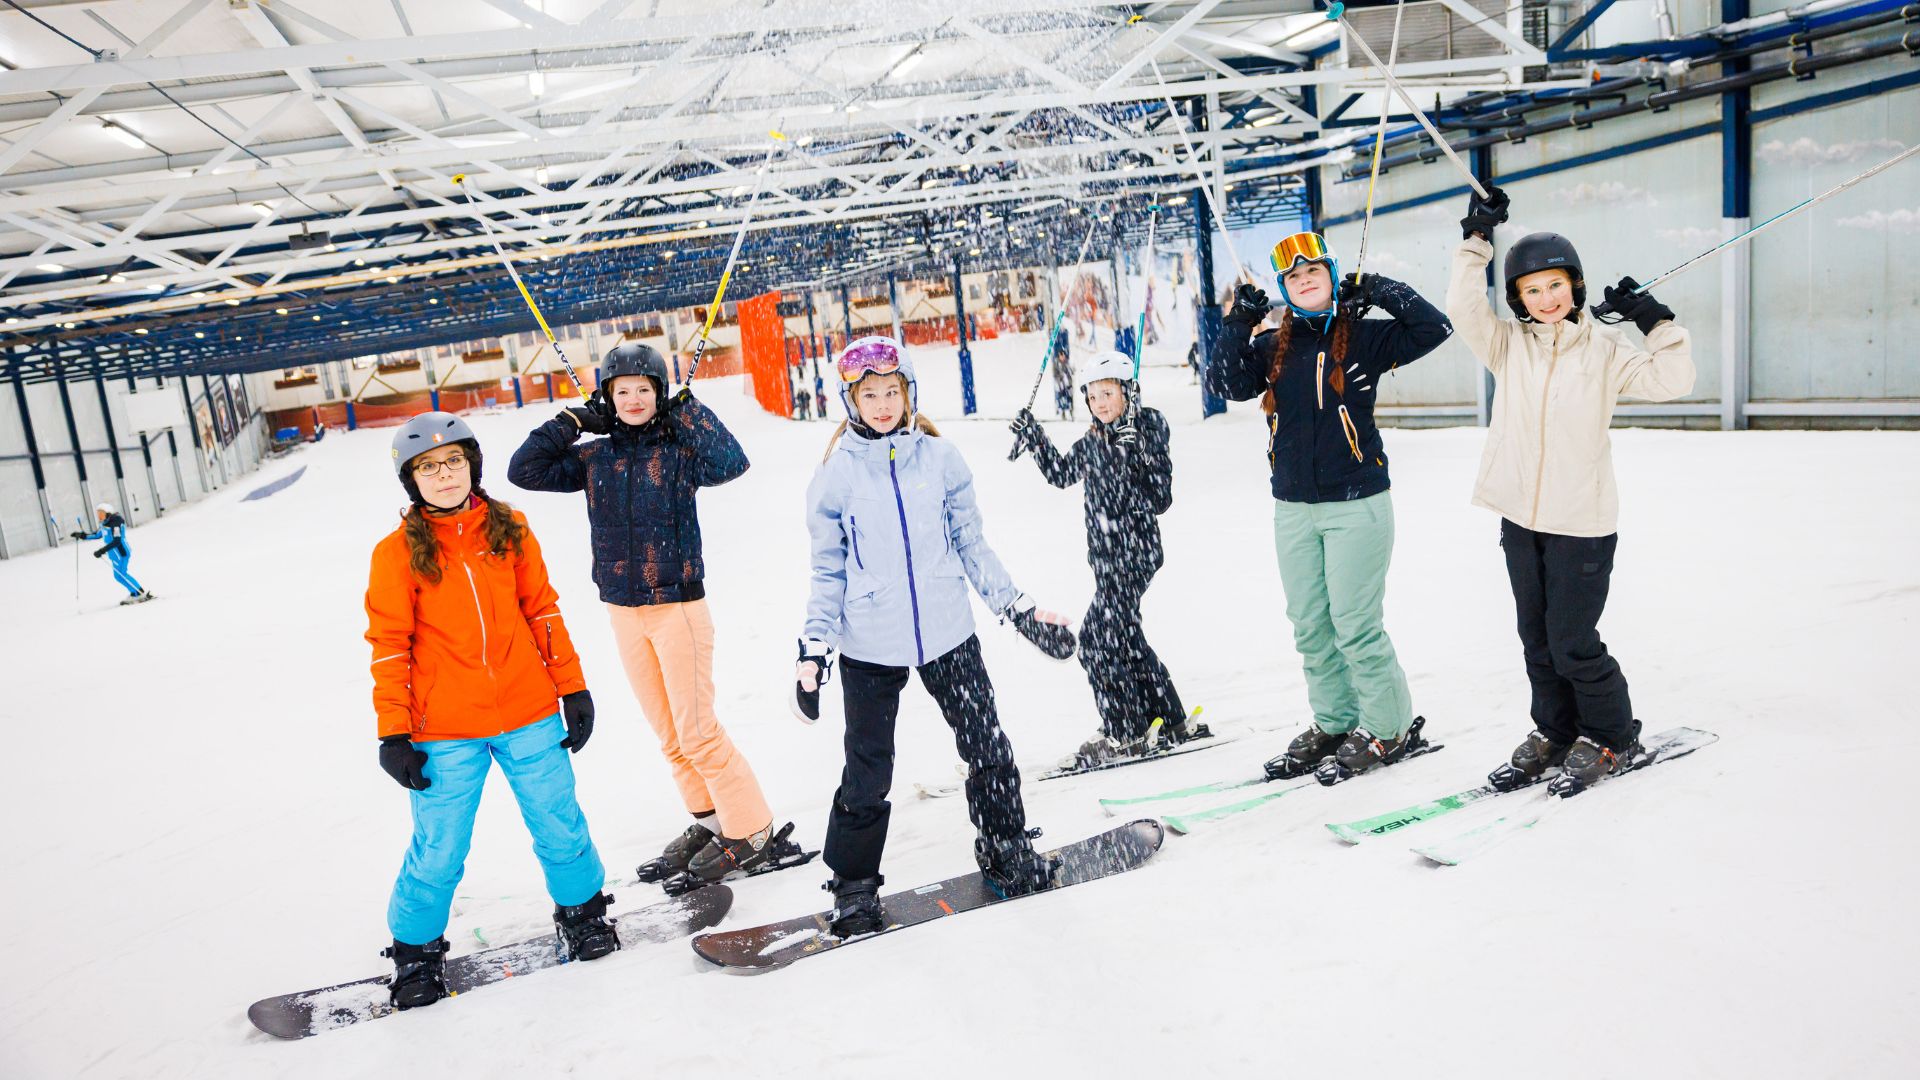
pixel 311 1012
pixel 763 948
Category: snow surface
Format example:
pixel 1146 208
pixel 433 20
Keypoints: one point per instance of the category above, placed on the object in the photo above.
pixel 194 816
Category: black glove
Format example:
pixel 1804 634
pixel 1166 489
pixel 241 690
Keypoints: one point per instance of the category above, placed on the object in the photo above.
pixel 78 535
pixel 1356 294
pixel 1125 431
pixel 577 709
pixel 1026 428
pixel 596 416
pixel 1051 638
pixel 1250 305
pixel 99 553
pixel 404 762
pixel 1484 214
pixel 681 399
pixel 806 703
pixel 1629 302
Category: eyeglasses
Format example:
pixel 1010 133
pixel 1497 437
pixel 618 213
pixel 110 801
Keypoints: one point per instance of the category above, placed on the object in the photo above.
pixel 453 462
pixel 869 356
pixel 1296 249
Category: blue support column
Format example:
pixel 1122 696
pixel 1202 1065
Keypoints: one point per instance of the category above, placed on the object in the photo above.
pixel 1736 214
pixel 1208 311
pixel 846 314
pixel 968 405
pixel 353 422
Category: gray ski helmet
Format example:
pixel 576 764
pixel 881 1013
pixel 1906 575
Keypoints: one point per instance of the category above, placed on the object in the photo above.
pixel 1542 251
pixel 426 431
pixel 633 358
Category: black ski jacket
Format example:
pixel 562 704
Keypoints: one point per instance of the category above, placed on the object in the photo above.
pixel 1322 444
pixel 1125 491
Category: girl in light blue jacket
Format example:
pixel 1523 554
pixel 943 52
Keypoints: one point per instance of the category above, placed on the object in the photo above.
pixel 896 539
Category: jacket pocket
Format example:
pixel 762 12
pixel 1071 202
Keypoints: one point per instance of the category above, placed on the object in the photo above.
pixel 853 535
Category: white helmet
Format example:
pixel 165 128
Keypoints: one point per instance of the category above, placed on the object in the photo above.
pixel 103 509
pixel 1111 364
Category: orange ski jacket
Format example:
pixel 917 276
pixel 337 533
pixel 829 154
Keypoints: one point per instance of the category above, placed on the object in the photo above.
pixel 479 654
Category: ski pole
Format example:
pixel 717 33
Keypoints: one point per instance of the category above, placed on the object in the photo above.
pixel 726 272
pixel 461 180
pixel 1338 12
pixel 1379 142
pixel 1059 320
pixel 1600 311
pixel 1206 190
pixel 76 565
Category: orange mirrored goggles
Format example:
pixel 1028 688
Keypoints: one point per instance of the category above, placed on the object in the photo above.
pixel 1298 248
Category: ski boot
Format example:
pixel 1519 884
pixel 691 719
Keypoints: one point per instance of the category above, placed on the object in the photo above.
pixel 1588 763
pixel 1183 729
pixel 585 933
pixel 681 849
pixel 856 906
pixel 1011 865
pixel 140 597
pixel 1530 763
pixel 761 853
pixel 419 973
pixel 1361 751
pixel 1305 751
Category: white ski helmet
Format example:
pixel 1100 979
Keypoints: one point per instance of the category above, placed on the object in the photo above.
pixel 103 509
pixel 875 354
pixel 1111 364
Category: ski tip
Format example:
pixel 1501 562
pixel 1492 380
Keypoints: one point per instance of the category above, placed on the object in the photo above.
pixel 1343 834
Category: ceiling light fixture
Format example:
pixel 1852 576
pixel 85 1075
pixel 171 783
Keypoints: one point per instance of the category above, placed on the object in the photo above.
pixel 49 268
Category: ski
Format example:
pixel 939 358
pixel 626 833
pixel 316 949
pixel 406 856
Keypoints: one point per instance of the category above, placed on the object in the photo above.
pixel 1182 824
pixel 1201 740
pixel 1113 806
pixel 775 945
pixel 1666 746
pixel 1353 832
pixel 314 1012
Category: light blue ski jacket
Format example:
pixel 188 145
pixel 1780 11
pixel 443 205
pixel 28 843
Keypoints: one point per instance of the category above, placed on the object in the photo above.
pixel 896 538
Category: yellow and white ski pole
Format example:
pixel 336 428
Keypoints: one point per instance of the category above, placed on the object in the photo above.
pixel 461 180
pixel 733 255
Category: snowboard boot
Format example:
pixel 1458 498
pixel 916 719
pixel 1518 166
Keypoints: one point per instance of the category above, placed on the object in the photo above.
pixel 681 849
pixel 763 852
pixel 1011 865
pixel 1530 763
pixel 419 973
pixel 1305 751
pixel 1588 763
pixel 856 906
pixel 1102 750
pixel 1183 728
pixel 1362 751
pixel 585 933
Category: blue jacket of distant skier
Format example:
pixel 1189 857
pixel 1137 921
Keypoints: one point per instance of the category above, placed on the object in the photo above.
pixel 113 529
pixel 640 484
pixel 896 537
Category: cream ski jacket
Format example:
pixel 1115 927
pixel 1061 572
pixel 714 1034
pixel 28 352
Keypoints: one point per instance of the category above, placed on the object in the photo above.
pixel 1548 462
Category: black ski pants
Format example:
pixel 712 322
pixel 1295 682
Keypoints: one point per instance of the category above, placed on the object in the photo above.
pixel 958 683
pixel 1131 687
pixel 1559 590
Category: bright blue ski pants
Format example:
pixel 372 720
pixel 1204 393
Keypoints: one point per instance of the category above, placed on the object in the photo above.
pixel 120 573
pixel 541 776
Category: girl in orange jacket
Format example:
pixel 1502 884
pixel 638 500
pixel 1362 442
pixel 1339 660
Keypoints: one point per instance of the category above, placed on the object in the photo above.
pixel 470 657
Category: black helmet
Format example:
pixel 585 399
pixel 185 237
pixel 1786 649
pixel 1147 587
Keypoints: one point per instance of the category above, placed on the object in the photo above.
pixel 633 358
pixel 1543 251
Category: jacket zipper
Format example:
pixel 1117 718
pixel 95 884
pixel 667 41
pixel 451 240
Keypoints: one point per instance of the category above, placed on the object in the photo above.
pixel 913 591
pixel 1540 468
pixel 854 532
pixel 1320 382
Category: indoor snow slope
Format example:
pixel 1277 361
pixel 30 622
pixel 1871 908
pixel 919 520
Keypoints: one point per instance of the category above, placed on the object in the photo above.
pixel 195 818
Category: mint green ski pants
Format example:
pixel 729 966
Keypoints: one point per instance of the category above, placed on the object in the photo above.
pixel 1333 565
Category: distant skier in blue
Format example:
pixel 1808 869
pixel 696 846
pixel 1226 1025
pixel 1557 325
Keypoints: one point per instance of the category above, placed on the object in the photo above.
pixel 113 529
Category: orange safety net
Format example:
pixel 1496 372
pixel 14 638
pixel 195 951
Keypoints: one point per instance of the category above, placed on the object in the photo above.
pixel 763 351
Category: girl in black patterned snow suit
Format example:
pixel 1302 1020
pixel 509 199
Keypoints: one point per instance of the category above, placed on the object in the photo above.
pixel 1123 463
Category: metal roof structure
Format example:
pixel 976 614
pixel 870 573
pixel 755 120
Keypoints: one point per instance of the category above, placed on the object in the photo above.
pixel 237 185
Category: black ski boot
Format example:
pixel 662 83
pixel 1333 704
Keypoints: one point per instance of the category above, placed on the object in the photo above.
pixel 585 933
pixel 1305 751
pixel 1184 728
pixel 419 973
pixel 856 906
pixel 1588 763
pixel 763 852
pixel 1012 866
pixel 1531 760
pixel 1361 751
pixel 681 849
